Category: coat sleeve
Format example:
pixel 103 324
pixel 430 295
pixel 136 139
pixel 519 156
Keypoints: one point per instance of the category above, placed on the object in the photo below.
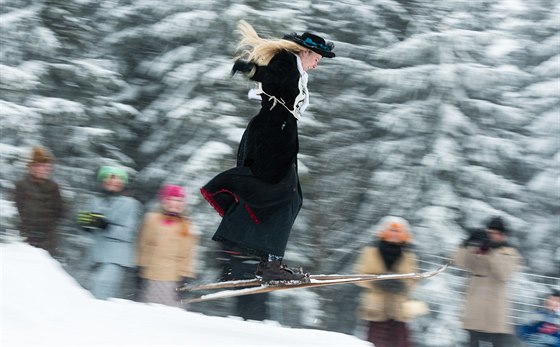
pixel 363 266
pixel 19 198
pixel 58 202
pixel 276 73
pixel 280 78
pixel 464 258
pixel 188 265
pixel 500 263
pixel 142 257
pixel 503 262
pixel 411 266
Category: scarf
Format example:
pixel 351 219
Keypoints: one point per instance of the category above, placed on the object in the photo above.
pixel 169 218
pixel 390 252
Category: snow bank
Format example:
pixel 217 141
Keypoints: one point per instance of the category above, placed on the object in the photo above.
pixel 41 305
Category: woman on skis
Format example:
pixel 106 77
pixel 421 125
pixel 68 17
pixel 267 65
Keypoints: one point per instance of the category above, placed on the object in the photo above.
pixel 261 197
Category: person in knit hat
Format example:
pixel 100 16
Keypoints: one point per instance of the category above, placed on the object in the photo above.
pixel 112 220
pixel 39 202
pixel 166 249
pixel 382 302
pixel 491 263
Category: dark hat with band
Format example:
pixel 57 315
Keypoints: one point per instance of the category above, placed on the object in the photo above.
pixel 315 43
pixel 497 223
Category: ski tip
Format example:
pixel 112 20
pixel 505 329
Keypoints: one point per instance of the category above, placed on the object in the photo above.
pixel 436 271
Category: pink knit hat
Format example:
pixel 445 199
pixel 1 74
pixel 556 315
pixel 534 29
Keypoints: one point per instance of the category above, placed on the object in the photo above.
pixel 171 191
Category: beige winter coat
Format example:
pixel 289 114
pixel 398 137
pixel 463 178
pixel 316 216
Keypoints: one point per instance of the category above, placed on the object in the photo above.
pixel 486 305
pixel 378 305
pixel 165 253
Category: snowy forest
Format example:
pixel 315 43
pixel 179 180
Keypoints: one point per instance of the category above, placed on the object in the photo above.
pixel 443 112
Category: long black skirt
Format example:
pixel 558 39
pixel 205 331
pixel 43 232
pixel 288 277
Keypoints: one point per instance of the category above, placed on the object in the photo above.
pixel 262 237
pixel 257 216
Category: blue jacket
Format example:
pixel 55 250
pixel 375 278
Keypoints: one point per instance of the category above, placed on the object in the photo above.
pixel 543 331
pixel 116 243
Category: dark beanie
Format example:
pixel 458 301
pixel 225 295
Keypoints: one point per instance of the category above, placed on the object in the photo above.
pixel 496 223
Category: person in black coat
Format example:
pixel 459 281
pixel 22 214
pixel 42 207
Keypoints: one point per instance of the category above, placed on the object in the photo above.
pixel 261 197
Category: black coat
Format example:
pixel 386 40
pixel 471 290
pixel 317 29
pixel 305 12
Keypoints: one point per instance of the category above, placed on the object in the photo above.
pixel 261 197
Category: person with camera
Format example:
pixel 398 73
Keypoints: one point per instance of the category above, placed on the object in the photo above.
pixel 490 262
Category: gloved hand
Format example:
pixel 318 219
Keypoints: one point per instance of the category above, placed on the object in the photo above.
pixel 477 238
pixel 92 220
pixel 244 67
pixel 496 244
pixel 392 286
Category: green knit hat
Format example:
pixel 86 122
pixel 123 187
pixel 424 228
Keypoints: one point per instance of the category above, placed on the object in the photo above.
pixel 108 171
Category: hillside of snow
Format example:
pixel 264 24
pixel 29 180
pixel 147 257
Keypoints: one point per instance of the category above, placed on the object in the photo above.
pixel 41 305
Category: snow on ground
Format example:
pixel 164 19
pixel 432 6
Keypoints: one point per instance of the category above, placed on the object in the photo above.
pixel 41 305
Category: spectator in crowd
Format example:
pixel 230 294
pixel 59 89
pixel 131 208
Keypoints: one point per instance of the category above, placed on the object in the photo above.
pixel 166 249
pixel 491 263
pixel 39 203
pixel 383 302
pixel 112 218
pixel 542 329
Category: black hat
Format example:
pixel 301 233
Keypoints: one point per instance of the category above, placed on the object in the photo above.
pixel 496 223
pixel 315 43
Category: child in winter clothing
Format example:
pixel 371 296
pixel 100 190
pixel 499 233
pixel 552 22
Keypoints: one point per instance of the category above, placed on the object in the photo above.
pixel 166 249
pixel 112 219
pixel 382 304
pixel 39 202
pixel 543 329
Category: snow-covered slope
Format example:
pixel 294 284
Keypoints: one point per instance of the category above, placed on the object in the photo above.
pixel 41 305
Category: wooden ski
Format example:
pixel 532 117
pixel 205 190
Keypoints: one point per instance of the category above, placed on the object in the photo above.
pixel 315 281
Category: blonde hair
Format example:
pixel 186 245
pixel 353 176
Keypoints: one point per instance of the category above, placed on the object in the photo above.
pixel 258 50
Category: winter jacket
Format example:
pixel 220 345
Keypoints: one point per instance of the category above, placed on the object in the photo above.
pixel 166 248
pixel 116 243
pixel 542 331
pixel 377 303
pixel 486 306
pixel 261 197
pixel 40 209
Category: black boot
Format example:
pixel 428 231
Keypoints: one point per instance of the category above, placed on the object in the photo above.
pixel 274 270
pixel 237 265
